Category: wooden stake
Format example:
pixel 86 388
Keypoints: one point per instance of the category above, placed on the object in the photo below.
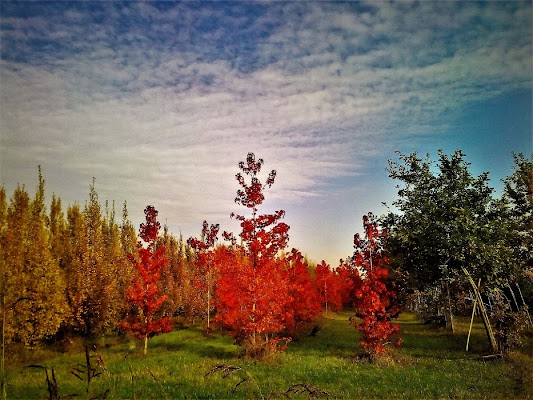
pixel 530 324
pixel 472 319
pixel 512 294
pixel 486 322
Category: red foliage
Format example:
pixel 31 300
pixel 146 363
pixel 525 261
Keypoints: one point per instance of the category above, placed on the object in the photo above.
pixel 304 304
pixel 350 282
pixel 144 293
pixel 252 300
pixel 252 291
pixel 328 286
pixel 375 294
pixel 259 242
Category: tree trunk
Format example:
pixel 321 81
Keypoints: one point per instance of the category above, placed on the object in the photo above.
pixel 145 344
pixel 208 298
pixel 524 305
pixel 513 296
pixel 450 312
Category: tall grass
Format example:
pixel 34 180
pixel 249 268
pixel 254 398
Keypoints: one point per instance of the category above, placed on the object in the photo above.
pixel 431 364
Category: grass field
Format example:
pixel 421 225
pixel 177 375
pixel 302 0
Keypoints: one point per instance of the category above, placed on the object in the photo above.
pixel 431 363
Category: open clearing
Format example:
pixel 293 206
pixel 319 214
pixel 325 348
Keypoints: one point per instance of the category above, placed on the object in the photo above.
pixel 431 363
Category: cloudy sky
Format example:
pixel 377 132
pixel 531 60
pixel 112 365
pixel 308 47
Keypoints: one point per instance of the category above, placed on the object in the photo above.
pixel 160 101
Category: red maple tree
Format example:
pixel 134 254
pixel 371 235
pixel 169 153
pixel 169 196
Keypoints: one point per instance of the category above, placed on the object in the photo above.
pixel 303 305
pixel 204 277
pixel 350 282
pixel 375 295
pixel 144 293
pixel 328 286
pixel 251 290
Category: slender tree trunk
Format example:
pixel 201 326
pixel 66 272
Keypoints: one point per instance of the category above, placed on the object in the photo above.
pixel 513 296
pixel 208 308
pixel 145 344
pixel 208 298
pixel 450 311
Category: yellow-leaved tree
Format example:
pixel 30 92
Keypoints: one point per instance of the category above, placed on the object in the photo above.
pixel 33 289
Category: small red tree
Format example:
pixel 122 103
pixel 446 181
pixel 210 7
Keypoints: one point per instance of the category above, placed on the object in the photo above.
pixel 350 281
pixel 252 302
pixel 375 294
pixel 144 293
pixel 304 304
pixel 251 289
pixel 328 287
pixel 204 276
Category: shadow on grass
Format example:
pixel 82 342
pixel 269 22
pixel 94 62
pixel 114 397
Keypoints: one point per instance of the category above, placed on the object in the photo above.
pixel 338 338
pixel 192 341
pixel 431 341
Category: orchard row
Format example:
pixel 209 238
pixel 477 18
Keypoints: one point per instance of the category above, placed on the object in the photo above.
pixel 85 274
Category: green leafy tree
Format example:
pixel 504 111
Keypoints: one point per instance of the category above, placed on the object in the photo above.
pixel 447 220
pixel 518 191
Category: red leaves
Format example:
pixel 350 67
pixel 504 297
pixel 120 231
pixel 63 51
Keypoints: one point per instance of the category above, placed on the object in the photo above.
pixel 252 195
pixel 374 295
pixel 328 287
pixel 251 299
pixel 148 232
pixel 260 294
pixel 209 237
pixel 144 293
pixel 303 303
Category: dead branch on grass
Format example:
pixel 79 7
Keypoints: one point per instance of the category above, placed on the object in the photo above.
pixel 313 391
pixel 225 369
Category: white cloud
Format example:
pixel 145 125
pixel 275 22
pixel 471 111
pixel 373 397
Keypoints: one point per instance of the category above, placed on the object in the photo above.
pixel 163 108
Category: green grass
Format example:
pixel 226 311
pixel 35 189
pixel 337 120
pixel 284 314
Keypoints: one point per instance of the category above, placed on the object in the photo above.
pixel 431 363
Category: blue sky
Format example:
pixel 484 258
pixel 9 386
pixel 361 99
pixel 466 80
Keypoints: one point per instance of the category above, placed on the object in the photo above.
pixel 160 101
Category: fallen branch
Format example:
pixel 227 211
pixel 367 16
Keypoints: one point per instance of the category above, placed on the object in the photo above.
pixel 490 356
pixel 226 370
pixel 314 391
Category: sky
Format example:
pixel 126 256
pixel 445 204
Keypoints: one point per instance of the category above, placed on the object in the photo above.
pixel 160 101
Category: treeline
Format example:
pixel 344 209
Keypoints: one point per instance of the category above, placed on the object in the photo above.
pixel 67 272
pixel 83 273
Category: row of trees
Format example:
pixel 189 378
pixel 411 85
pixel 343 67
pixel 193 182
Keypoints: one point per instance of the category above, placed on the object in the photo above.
pixel 69 273
pixel 260 294
pixel 86 274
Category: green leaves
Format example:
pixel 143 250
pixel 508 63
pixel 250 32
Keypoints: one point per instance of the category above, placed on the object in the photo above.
pixel 448 219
